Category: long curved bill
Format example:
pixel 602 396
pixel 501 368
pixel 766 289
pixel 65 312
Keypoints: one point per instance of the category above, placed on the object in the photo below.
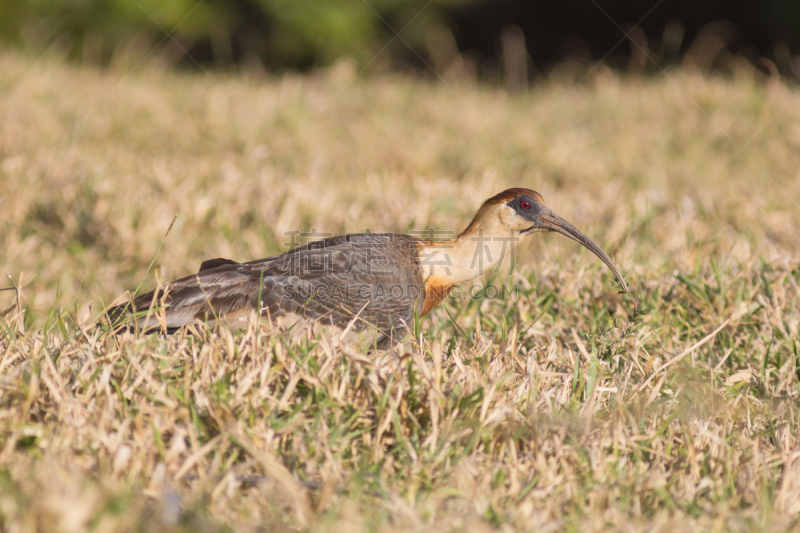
pixel 550 221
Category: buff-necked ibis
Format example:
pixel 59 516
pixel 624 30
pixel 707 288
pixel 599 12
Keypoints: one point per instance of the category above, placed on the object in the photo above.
pixel 371 282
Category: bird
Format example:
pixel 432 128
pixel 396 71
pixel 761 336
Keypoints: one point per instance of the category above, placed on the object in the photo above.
pixel 371 284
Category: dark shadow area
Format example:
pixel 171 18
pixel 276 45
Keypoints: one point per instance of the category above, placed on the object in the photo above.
pixel 513 40
pixel 593 31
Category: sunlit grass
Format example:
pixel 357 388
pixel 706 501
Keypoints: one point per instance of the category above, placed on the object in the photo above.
pixel 566 406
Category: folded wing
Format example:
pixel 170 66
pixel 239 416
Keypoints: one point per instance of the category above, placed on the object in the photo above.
pixel 371 279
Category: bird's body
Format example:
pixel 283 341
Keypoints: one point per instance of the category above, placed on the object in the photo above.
pixel 331 282
pixel 364 283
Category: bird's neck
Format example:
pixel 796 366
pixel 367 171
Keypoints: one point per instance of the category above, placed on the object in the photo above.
pixel 479 248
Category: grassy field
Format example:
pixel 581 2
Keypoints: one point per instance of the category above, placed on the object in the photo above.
pixel 565 406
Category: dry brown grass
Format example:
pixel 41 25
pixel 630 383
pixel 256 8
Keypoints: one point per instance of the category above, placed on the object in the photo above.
pixel 558 409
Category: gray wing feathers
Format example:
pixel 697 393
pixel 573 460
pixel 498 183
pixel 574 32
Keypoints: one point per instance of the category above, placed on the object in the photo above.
pixel 206 295
pixel 372 278
pixel 214 263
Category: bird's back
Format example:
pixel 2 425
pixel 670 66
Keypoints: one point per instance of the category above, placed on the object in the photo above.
pixel 373 280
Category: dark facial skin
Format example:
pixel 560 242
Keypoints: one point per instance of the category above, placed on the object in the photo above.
pixel 542 218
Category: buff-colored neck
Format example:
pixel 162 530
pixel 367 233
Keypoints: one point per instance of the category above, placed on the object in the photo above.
pixel 480 247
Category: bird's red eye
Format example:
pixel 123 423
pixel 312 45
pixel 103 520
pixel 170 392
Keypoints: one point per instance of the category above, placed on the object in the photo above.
pixel 525 205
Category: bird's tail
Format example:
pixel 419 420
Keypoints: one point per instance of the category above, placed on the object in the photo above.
pixel 181 302
pixel 147 312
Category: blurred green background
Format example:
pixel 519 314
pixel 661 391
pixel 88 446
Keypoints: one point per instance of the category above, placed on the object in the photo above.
pixel 278 33
pixel 420 35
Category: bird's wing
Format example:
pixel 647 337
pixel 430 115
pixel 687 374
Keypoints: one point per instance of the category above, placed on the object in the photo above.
pixel 372 279
pixel 214 263
pixel 211 294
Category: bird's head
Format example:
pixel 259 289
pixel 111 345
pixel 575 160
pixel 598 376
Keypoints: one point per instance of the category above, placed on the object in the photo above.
pixel 521 212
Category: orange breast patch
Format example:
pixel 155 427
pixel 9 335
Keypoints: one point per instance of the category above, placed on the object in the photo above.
pixel 436 289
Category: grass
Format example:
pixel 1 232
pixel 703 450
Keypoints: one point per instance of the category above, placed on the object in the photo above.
pixel 563 407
